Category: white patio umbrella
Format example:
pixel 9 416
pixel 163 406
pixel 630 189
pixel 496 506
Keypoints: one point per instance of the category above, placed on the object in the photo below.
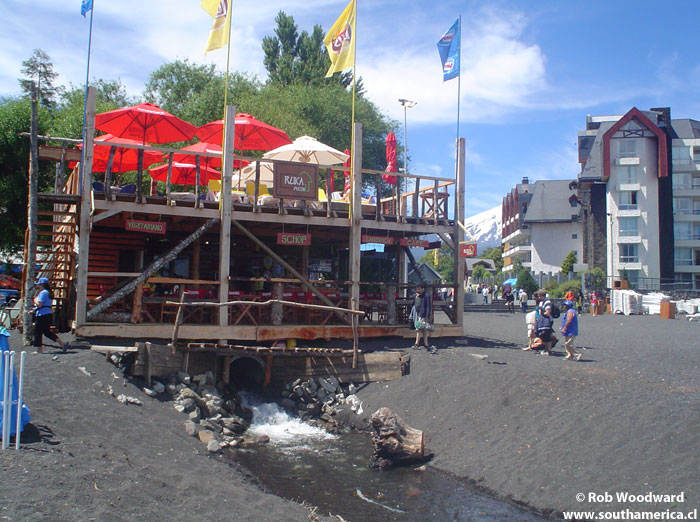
pixel 307 150
pixel 247 173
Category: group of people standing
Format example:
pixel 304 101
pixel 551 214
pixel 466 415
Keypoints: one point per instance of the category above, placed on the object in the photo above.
pixel 540 326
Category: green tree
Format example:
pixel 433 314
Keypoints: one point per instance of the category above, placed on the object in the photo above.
pixel 15 117
pixel 567 265
pixel 39 69
pixel 494 253
pixel 517 265
pixel 445 265
pixel 479 272
pixel 293 58
pixel 596 279
pixel 526 281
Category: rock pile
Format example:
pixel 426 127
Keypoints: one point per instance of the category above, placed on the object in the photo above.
pixel 320 398
pixel 217 418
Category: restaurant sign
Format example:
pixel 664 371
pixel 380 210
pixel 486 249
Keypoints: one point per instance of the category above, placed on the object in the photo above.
pixel 413 242
pixel 293 239
pixel 150 227
pixel 295 181
pixel 379 240
pixel 467 250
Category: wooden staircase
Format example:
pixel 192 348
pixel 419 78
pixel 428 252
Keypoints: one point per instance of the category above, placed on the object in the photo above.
pixel 56 250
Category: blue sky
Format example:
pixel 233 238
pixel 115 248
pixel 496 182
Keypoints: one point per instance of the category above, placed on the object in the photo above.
pixel 531 70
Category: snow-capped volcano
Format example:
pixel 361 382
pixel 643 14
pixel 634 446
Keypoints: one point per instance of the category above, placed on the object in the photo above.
pixel 485 228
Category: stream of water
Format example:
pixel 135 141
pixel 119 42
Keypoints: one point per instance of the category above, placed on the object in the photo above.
pixel 305 463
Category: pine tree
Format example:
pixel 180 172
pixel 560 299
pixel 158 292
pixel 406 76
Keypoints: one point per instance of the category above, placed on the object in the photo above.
pixel 568 264
pixel 39 69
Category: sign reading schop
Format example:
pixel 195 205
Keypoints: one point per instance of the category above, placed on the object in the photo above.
pixel 293 239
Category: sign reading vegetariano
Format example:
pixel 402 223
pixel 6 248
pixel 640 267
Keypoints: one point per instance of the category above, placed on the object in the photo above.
pixel 379 240
pixel 150 227
pixel 293 239
pixel 413 242
pixel 295 181
pixel 467 250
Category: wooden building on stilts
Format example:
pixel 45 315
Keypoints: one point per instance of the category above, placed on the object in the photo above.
pixel 130 259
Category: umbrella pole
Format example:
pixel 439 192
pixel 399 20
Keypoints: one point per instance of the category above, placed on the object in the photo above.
pixel 169 176
pixel 196 181
pixel 108 173
pixel 139 176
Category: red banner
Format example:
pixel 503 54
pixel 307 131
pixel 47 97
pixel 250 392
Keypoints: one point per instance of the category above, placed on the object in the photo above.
pixel 150 227
pixel 467 250
pixel 413 242
pixel 380 240
pixel 293 239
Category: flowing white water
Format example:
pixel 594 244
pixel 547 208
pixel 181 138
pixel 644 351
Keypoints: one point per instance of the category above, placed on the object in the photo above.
pixel 271 420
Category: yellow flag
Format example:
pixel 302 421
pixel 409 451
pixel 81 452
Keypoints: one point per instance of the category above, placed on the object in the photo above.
pixel 220 11
pixel 340 41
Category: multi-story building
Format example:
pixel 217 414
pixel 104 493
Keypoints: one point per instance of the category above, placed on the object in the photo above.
pixel 540 225
pixel 625 190
pixel 686 202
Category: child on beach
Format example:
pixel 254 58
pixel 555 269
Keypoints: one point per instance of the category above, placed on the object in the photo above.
pixel 569 329
pixel 530 321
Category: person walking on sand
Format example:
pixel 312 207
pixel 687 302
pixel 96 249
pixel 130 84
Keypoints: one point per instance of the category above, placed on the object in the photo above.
pixel 43 316
pixel 510 300
pixel 569 329
pixel 423 305
pixel 594 303
pixel 523 298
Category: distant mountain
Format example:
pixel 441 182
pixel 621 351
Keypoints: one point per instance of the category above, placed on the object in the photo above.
pixel 485 228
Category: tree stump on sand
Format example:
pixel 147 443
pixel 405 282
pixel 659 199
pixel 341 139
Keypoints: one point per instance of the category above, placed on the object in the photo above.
pixel 394 441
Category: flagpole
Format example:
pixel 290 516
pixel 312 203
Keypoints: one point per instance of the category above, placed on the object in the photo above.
pixel 87 82
pixel 228 66
pixel 352 117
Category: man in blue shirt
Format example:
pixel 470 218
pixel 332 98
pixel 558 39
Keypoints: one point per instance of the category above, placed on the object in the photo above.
pixel 43 316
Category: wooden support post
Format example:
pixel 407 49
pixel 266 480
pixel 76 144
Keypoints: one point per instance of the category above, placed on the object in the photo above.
pixel 355 340
pixel 436 204
pixel 276 313
pixel 401 257
pixel 356 232
pixel 32 219
pixel 415 199
pixel 256 189
pixel 196 257
pixel 329 193
pixel 84 226
pixel 378 207
pixel 178 317
pixel 458 235
pixel 137 305
pixel 148 364
pixel 225 199
pixel 391 303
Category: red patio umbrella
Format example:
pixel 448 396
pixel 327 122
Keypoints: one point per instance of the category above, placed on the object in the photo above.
pixel 145 122
pixel 206 161
pixel 125 159
pixel 184 174
pixel 390 159
pixel 251 134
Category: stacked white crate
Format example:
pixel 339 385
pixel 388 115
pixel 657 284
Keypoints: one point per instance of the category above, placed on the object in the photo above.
pixel 626 302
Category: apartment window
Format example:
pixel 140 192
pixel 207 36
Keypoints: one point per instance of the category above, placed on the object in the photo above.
pixel 632 277
pixel 681 205
pixel 682 181
pixel 628 200
pixel 696 154
pixel 628 148
pixel 629 253
pixel 683 256
pixel 628 226
pixel 682 230
pixel 680 155
pixel 574 236
pixel 696 231
pixel 627 174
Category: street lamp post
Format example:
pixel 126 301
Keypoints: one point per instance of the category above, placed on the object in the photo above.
pixel 407 104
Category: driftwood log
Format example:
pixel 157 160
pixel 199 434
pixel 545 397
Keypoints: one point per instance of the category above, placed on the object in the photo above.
pixel 394 441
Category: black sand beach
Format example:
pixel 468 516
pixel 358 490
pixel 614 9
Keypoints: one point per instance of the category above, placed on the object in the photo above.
pixel 534 429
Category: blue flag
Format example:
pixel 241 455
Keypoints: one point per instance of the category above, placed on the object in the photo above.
pixel 85 7
pixel 449 48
